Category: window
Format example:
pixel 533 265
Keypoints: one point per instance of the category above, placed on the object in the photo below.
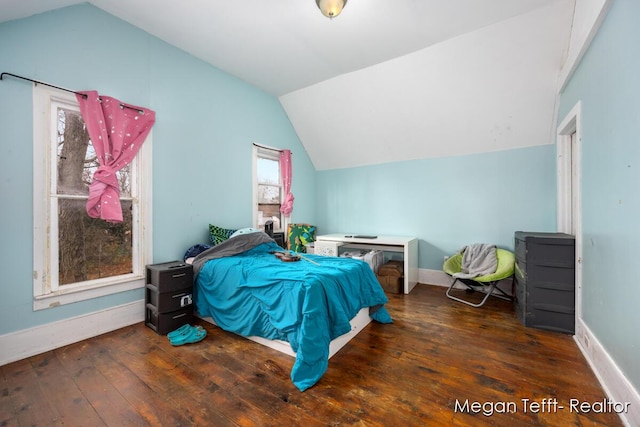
pixel 268 191
pixel 77 257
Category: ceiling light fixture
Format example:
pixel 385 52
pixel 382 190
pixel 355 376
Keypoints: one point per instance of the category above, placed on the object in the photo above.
pixel 331 8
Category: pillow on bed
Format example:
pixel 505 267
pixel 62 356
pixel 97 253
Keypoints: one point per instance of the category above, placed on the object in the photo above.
pixel 195 250
pixel 247 230
pixel 219 234
pixel 298 235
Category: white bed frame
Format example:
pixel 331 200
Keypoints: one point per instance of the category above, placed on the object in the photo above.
pixel 358 323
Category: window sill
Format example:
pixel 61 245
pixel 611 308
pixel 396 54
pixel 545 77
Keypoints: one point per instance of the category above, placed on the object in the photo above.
pixel 69 296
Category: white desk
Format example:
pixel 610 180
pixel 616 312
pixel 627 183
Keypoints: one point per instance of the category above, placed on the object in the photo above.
pixel 408 246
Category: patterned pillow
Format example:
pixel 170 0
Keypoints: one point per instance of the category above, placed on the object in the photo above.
pixel 299 235
pixel 219 234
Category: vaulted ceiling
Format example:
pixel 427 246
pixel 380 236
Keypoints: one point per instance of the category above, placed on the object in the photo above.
pixel 400 80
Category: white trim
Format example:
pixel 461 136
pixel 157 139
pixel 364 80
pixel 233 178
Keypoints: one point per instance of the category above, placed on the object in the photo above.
pixel 266 152
pixel 254 184
pixel 571 64
pixel 39 339
pixel 433 277
pixel 570 220
pixel 41 112
pixel 47 294
pixel 616 386
pixel 64 296
pixel 570 124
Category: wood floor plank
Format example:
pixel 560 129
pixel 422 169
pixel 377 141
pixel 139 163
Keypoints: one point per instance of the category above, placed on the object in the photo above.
pixel 7 410
pixel 264 383
pixel 151 405
pixel 110 405
pixel 421 370
pixel 61 392
pixel 187 388
pixel 29 400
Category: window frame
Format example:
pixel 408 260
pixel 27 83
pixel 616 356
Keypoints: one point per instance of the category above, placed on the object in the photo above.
pixel 265 152
pixel 46 292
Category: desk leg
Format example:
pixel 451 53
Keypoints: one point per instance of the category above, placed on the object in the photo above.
pixel 410 265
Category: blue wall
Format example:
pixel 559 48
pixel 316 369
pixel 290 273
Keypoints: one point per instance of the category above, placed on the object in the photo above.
pixel 206 123
pixel 607 83
pixel 445 202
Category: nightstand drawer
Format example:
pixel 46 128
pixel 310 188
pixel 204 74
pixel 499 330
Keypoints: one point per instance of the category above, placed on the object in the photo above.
pixel 170 276
pixel 169 301
pixel 163 323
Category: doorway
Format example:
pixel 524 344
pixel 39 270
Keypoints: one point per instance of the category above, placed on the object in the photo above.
pixel 569 165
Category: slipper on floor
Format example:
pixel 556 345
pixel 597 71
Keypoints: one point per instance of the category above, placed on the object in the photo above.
pixel 192 336
pixel 183 330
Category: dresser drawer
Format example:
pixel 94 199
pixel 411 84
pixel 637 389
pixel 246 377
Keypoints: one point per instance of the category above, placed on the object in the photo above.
pixel 551 317
pixel 555 249
pixel 169 301
pixel 170 276
pixel 163 323
pixel 551 277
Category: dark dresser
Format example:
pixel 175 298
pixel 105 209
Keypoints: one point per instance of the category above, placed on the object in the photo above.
pixel 169 296
pixel 544 280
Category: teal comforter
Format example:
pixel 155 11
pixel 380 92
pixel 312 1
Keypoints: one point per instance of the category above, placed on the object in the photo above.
pixel 249 291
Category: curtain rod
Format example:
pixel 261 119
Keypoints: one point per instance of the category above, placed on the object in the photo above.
pixel 268 148
pixel 61 88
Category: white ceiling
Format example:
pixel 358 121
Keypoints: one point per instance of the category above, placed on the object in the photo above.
pixel 285 45
pixel 385 81
pixel 494 89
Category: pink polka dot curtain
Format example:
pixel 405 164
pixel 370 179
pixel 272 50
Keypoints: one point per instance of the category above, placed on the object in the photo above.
pixel 285 171
pixel 117 131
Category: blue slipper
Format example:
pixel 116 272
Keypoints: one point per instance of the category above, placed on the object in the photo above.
pixel 181 330
pixel 194 335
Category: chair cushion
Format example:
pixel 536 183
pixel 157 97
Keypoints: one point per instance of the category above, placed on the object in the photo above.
pixel 506 266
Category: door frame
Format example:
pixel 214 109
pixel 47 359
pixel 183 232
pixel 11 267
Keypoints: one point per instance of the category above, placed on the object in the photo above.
pixel 570 220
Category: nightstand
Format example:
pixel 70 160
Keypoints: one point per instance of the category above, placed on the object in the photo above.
pixel 169 296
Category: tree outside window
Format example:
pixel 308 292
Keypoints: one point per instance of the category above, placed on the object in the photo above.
pixel 88 248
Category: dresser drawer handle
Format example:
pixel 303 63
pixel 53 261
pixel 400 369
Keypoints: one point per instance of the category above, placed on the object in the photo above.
pixel 178 275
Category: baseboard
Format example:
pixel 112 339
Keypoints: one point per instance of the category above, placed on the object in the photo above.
pixel 615 384
pixel 29 342
pixel 433 277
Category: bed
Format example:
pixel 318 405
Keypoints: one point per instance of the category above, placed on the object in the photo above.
pixel 243 287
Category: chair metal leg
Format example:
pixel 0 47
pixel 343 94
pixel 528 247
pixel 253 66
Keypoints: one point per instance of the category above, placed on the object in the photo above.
pixel 492 286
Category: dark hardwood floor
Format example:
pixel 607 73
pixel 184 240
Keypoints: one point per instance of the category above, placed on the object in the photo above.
pixel 420 370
